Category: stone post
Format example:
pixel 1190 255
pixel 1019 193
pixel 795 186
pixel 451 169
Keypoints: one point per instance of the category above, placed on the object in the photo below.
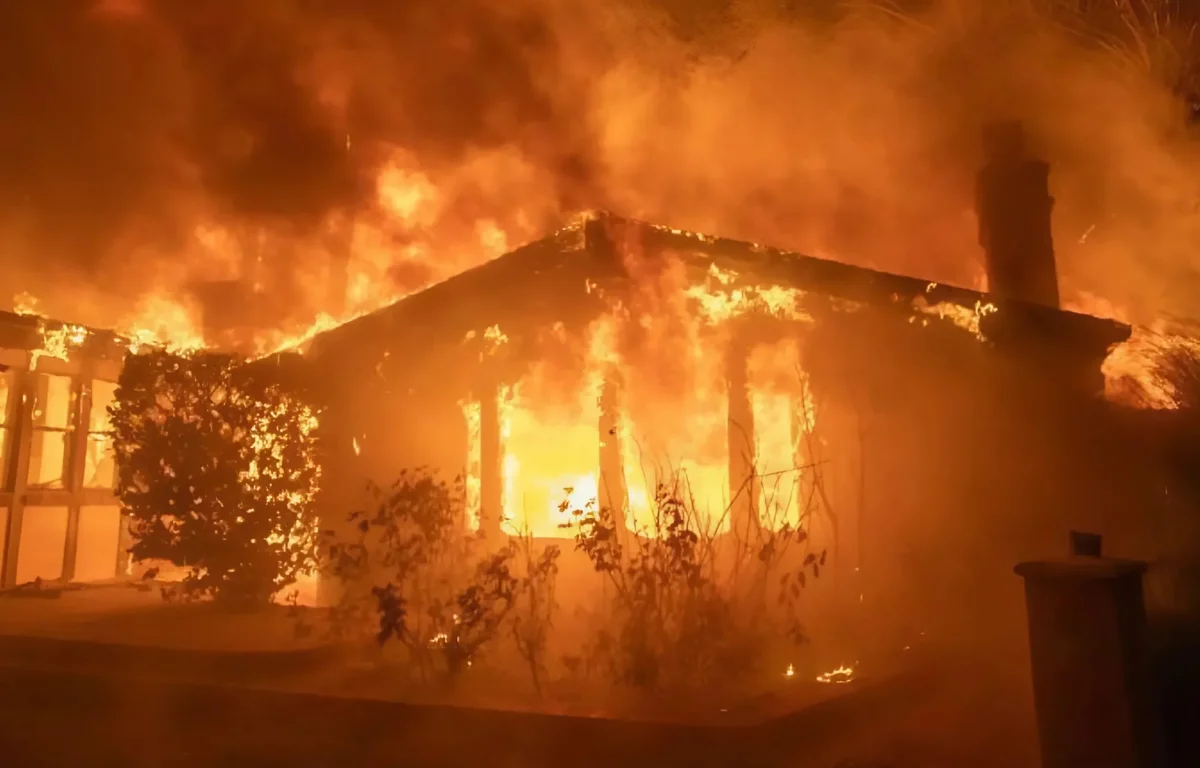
pixel 1087 637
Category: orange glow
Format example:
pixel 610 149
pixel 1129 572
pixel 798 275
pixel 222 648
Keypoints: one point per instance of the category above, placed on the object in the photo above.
pixel 25 304
pixel 159 320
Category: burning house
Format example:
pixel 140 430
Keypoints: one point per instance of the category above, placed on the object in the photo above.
pixel 59 518
pixel 907 426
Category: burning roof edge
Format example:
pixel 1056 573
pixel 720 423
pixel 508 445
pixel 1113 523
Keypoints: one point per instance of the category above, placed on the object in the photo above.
pixel 30 332
pixel 596 230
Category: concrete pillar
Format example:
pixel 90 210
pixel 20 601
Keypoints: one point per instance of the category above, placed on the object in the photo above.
pixel 743 487
pixel 1087 636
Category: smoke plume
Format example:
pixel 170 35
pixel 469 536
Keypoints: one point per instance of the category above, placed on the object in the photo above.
pixel 253 165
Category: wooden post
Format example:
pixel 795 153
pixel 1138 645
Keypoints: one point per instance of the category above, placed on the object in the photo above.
pixel 22 436
pixel 77 462
pixel 491 471
pixel 743 486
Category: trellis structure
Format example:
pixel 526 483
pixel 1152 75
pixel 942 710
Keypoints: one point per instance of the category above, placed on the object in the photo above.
pixel 59 518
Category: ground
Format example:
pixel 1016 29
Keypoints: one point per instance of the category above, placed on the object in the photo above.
pixel 194 691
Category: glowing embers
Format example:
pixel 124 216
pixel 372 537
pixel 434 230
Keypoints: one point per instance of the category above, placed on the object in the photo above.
pixel 839 676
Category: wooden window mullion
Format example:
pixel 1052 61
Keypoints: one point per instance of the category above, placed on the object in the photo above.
pixel 73 466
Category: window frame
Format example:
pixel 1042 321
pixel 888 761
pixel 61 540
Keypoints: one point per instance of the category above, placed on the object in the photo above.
pixel 68 470
pixel 10 421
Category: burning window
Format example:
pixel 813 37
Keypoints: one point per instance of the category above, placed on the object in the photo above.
pixel 784 419
pixel 43 541
pixel 53 403
pixel 551 456
pixel 99 470
pixel 99 537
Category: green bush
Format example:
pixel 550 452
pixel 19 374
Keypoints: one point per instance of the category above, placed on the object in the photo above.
pixel 217 472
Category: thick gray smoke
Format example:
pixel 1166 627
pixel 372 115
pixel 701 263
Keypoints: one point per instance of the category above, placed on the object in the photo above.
pixel 262 161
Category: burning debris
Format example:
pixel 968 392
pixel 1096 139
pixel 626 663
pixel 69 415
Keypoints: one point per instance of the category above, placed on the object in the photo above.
pixel 58 342
pixel 838 676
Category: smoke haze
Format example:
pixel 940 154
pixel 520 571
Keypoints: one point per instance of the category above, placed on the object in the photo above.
pixel 256 164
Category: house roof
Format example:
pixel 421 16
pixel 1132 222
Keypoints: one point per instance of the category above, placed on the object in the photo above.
pixel 545 279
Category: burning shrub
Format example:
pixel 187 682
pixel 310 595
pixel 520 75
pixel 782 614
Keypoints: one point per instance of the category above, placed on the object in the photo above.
pixel 418 576
pixel 217 473
pixel 691 609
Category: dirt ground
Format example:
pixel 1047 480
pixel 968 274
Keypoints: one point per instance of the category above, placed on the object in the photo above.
pixel 65 709
pixel 55 719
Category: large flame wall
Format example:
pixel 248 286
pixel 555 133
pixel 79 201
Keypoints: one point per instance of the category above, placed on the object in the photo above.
pixel 551 442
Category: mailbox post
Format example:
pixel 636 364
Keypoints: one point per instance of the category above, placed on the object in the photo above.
pixel 1087 636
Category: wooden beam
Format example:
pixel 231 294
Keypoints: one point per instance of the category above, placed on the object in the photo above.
pixel 22 425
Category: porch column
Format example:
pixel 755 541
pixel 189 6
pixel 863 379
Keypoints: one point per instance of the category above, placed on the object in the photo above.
pixel 613 492
pixel 491 468
pixel 743 485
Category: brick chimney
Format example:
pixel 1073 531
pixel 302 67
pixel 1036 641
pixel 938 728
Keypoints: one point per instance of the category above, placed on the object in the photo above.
pixel 1013 205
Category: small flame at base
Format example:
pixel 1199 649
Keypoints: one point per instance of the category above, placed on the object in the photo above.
pixel 838 676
